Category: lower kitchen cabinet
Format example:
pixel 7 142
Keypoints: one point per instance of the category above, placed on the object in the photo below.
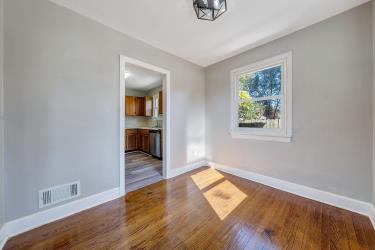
pixel 137 139
pixel 131 142
pixel 144 140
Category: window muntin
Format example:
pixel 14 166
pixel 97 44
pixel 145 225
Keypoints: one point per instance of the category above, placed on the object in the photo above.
pixel 262 98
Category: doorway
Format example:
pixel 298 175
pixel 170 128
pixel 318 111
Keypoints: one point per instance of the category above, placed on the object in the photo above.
pixel 144 124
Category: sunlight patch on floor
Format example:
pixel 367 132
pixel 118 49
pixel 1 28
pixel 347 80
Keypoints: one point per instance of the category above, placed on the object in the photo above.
pixel 206 177
pixel 224 198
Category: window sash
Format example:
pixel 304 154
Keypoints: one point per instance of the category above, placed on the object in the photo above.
pixel 282 134
pixel 239 100
pixel 263 131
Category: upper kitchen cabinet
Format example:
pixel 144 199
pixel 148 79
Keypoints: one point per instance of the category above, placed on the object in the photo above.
pixel 160 102
pixel 134 106
pixel 148 105
pixel 140 106
pixel 129 105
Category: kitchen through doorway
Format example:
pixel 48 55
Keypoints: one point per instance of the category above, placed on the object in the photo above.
pixel 144 125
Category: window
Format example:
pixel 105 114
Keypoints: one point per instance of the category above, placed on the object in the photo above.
pixel 156 105
pixel 262 100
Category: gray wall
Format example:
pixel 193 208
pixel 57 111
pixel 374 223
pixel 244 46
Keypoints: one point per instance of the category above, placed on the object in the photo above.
pixel 61 103
pixel 155 90
pixel 373 102
pixel 332 109
pixel 2 198
pixel 134 92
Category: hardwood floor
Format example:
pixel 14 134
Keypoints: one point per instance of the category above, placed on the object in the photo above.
pixel 141 170
pixel 205 209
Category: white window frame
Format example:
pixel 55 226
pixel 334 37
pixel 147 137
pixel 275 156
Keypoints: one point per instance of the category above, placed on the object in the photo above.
pixel 284 134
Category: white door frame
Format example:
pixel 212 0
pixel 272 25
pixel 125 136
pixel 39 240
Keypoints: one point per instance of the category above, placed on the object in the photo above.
pixel 166 116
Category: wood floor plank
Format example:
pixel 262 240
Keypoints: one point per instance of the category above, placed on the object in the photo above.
pixel 193 212
pixel 141 170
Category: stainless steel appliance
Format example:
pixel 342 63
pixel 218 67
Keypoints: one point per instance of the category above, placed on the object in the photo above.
pixel 155 147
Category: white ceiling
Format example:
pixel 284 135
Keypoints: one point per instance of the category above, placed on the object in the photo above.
pixel 142 79
pixel 172 26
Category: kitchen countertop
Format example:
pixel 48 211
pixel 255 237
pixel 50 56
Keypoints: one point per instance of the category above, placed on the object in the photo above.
pixel 149 128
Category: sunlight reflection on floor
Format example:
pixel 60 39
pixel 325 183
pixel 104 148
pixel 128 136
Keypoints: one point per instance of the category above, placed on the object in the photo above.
pixel 206 177
pixel 224 197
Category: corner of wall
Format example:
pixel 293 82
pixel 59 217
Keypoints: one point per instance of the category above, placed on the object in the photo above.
pixel 205 114
pixel 206 101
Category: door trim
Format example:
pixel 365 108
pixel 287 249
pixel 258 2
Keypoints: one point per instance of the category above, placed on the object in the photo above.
pixel 166 116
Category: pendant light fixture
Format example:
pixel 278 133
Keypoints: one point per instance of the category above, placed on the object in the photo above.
pixel 209 9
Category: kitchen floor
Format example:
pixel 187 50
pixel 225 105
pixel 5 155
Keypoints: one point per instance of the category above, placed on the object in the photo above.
pixel 141 170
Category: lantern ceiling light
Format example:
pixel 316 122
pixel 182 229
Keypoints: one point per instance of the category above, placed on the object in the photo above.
pixel 209 9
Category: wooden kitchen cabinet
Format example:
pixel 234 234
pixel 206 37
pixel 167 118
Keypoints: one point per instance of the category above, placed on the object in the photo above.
pixel 131 142
pixel 144 140
pixel 148 105
pixel 160 102
pixel 134 106
pixel 146 143
pixel 130 105
pixel 139 106
pixel 139 139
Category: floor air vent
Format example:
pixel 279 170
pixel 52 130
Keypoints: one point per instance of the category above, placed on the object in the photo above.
pixel 59 194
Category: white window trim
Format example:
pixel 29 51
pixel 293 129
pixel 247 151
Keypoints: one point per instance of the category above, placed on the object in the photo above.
pixel 280 135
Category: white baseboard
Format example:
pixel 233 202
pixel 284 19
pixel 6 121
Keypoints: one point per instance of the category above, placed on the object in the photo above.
pixel 3 237
pixel 181 170
pixel 350 204
pixel 372 216
pixel 32 221
pixel 29 222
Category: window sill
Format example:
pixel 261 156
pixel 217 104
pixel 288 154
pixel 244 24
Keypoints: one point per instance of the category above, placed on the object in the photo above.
pixel 239 135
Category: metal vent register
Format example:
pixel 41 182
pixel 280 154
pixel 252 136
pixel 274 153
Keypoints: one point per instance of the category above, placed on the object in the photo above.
pixel 59 194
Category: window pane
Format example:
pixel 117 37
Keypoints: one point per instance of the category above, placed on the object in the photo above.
pixel 266 82
pixel 259 114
